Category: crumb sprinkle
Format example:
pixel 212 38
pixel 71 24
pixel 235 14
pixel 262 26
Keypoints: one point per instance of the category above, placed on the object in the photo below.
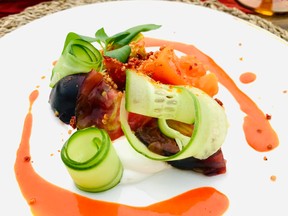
pixel 219 101
pixel 268 116
pixel 32 201
pixel 27 158
pixel 273 178
pixel 269 146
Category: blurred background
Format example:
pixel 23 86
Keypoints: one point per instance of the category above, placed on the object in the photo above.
pixel 8 7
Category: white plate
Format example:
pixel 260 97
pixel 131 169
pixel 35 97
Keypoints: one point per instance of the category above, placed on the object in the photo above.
pixel 27 53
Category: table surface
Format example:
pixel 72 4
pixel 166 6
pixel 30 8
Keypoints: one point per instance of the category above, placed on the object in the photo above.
pixel 8 7
pixel 279 20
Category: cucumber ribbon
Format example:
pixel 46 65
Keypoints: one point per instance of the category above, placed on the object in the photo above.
pixel 78 56
pixel 209 118
pixel 91 160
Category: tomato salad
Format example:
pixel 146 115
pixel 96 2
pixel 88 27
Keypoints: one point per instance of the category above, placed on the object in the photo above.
pixel 107 87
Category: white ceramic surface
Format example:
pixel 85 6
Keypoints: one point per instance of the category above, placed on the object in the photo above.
pixel 27 54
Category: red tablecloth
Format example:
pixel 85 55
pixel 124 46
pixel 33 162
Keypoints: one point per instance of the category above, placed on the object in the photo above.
pixel 8 7
pixel 232 3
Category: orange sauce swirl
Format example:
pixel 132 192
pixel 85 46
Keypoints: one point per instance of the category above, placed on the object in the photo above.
pixel 258 131
pixel 45 198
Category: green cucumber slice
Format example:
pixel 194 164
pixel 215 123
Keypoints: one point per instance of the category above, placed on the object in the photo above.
pixel 210 121
pixel 210 127
pixel 147 97
pixel 180 139
pixel 78 56
pixel 91 160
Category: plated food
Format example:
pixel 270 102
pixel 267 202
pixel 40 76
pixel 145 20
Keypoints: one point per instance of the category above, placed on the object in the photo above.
pixel 160 102
pixel 258 174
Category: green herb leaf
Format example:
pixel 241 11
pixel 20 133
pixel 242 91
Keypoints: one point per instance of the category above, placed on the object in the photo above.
pixel 114 39
pixel 101 35
pixel 121 54
pixel 130 33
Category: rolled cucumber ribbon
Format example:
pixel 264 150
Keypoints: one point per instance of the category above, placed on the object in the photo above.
pixel 91 160
pixel 78 56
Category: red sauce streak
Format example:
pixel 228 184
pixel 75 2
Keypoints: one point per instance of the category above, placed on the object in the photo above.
pixel 247 77
pixel 258 132
pixel 45 198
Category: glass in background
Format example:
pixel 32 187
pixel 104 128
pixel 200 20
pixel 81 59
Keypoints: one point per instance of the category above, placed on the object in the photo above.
pixel 266 7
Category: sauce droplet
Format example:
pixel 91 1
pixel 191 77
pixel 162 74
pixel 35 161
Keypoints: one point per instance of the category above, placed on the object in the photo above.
pixel 273 178
pixel 247 77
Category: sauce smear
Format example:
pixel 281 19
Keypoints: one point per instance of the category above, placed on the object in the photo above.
pixel 45 198
pixel 258 132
